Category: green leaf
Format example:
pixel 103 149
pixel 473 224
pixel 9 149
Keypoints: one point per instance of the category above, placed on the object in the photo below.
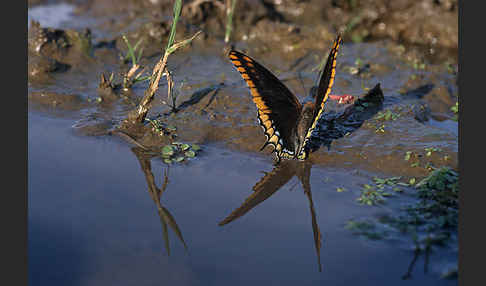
pixel 407 155
pixel 185 147
pixel 190 154
pixel 378 180
pixel 167 151
pixel 196 147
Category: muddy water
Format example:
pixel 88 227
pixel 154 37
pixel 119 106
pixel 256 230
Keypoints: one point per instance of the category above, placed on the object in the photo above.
pixel 92 221
pixel 99 212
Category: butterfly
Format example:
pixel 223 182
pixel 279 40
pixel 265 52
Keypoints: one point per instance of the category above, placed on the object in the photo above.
pixel 287 124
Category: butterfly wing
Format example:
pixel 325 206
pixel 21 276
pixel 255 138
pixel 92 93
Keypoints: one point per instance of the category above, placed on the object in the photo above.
pixel 278 108
pixel 324 88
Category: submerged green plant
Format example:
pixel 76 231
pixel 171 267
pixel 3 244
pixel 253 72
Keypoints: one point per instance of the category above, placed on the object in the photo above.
pixel 372 196
pixel 376 194
pixel 381 183
pixel 430 221
pixel 440 185
pixel 365 228
pixel 178 152
pixel 387 115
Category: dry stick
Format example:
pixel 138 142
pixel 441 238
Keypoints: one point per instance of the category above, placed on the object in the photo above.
pixel 138 115
pixel 132 71
pixel 127 79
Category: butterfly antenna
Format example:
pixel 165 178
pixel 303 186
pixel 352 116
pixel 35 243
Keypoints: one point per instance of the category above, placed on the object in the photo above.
pixel 301 81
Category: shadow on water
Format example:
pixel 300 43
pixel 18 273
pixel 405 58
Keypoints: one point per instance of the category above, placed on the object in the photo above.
pixel 271 183
pixel 420 91
pixel 166 218
pixel 199 95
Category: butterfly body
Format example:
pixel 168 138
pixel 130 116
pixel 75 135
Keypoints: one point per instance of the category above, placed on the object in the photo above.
pixel 287 124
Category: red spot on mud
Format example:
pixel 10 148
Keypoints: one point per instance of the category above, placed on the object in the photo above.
pixel 342 99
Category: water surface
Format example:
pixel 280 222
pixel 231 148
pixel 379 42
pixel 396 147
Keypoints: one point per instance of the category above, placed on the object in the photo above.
pixel 92 221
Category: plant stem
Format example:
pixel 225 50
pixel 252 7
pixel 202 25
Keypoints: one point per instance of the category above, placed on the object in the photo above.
pixel 229 18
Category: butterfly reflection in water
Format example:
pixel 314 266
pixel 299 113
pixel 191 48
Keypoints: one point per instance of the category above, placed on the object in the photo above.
pixel 271 183
pixel 287 124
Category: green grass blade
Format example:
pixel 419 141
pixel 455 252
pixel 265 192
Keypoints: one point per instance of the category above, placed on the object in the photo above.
pixel 177 12
pixel 131 51
pixel 143 78
pixel 229 21
pixel 137 44
pixel 139 54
